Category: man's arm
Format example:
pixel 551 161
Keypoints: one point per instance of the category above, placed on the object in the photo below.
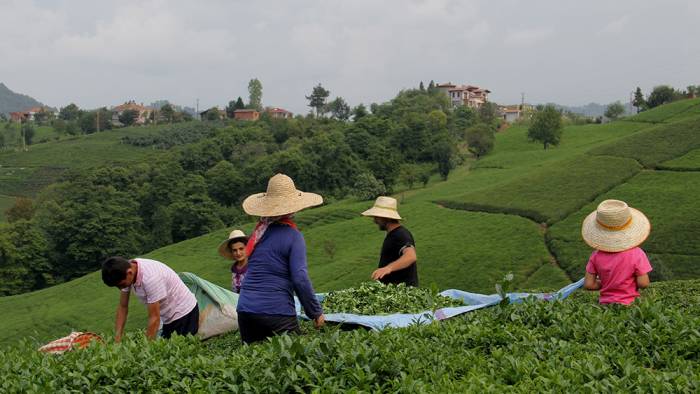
pixel 591 282
pixel 153 320
pixel 407 258
pixel 122 312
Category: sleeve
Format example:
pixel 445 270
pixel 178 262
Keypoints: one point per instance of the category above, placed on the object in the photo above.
pixel 300 277
pixel 642 266
pixel 404 240
pixel 590 267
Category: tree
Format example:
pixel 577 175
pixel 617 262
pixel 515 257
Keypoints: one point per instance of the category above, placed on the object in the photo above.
pixel 339 109
pixel 546 127
pixel 317 99
pixel 167 112
pixel 239 103
pixel 488 112
pixel 128 117
pixel 480 140
pixel 359 112
pixel 23 209
pixel 69 112
pixel 614 110
pixel 464 117
pixel 409 174
pixel 255 94
pixel 443 152
pixel 213 113
pixel 639 101
pixel 367 187
pixel 2 140
pixel 661 95
pixel 224 183
pixel 230 109
pixel 431 87
pixel 28 133
pixel 421 87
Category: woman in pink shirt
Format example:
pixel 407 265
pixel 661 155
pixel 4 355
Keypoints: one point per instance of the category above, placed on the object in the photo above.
pixel 618 267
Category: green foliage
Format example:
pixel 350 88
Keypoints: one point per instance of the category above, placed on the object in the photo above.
pixel 688 162
pixel 22 209
pixel 255 94
pixel 28 132
pixel 339 109
pixel 224 182
pixel 173 135
pixel 317 99
pixel 93 121
pixel 359 112
pixel 70 112
pixel 375 298
pixel 658 144
pixel 551 194
pixel 669 112
pixel 662 94
pixel 546 127
pixel 367 187
pixel 568 346
pixel 480 140
pixel 614 110
pixel 639 102
pixel 444 151
pixel 128 117
pixel 167 113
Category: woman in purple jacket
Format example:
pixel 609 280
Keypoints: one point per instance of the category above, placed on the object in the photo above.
pixel 276 264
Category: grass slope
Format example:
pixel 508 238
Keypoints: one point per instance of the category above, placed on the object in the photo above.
pixel 669 199
pixel 456 248
pixel 26 173
pixel 572 345
pixel 673 111
pixel 6 202
pixel 688 162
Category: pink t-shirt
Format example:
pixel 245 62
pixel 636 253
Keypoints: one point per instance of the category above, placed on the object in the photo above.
pixel 156 281
pixel 617 273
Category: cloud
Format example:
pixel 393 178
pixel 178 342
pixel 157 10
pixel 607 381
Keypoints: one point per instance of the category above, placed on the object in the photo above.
pixel 616 26
pixel 528 37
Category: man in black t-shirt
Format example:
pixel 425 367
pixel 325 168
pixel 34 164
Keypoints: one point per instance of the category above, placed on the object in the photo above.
pixel 397 262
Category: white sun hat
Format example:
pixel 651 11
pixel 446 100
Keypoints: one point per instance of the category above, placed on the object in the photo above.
pixel 281 198
pixel 384 207
pixel 224 249
pixel 615 227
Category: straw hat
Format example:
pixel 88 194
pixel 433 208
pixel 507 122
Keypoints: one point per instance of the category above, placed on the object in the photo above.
pixel 615 227
pixel 236 235
pixel 281 198
pixel 384 207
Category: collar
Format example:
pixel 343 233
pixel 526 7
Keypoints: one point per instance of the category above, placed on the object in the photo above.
pixel 139 275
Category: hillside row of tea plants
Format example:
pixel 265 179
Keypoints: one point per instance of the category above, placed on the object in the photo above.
pixel 572 345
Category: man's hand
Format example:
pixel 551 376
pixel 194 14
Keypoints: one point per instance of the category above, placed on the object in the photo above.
pixel 320 321
pixel 381 272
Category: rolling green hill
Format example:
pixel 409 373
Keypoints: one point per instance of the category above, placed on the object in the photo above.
pixel 518 209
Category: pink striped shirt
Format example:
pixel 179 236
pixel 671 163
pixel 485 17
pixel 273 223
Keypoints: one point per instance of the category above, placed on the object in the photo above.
pixel 155 282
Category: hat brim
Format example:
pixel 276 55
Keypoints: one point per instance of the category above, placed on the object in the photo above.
pixel 607 240
pixel 261 204
pixel 225 251
pixel 382 213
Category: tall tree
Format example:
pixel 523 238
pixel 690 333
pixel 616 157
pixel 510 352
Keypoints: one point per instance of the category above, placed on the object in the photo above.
pixel 339 109
pixel 317 99
pixel 167 112
pixel 128 117
pixel 546 127
pixel 255 94
pixel 421 87
pixel 639 101
pixel 359 112
pixel 614 110
pixel 239 103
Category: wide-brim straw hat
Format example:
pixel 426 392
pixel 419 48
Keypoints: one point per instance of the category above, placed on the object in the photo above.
pixel 237 236
pixel 384 207
pixel 615 227
pixel 281 198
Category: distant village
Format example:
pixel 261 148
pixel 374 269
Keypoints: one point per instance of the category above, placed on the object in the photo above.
pixel 460 95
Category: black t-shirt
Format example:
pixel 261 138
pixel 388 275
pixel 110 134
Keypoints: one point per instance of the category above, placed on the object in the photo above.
pixel 395 242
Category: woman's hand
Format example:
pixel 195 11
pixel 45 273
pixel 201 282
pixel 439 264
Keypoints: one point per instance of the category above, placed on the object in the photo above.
pixel 320 321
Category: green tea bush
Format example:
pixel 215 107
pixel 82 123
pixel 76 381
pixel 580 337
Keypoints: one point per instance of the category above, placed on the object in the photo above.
pixel 173 135
pixel 552 193
pixel 688 162
pixel 375 298
pixel 658 144
pixel 667 112
pixel 573 345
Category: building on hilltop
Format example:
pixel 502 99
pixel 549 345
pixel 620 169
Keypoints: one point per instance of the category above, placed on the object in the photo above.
pixel 246 114
pixel 279 113
pixel 467 95
pixel 513 113
pixel 144 113
pixel 30 114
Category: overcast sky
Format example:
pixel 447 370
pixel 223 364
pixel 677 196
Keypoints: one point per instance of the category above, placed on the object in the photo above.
pixel 102 53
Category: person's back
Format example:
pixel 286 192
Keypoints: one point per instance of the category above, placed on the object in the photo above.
pixel 618 273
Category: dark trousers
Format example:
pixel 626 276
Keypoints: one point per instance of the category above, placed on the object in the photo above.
pixel 188 324
pixel 256 327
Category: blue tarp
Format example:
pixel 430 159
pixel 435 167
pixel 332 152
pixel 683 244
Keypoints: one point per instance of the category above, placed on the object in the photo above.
pixel 473 302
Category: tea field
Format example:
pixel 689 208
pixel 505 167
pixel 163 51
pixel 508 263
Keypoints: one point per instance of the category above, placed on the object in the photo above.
pixel 573 345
